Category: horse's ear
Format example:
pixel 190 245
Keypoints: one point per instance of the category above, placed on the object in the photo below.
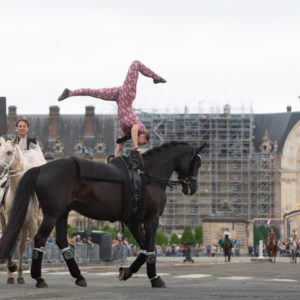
pixel 199 149
pixel 2 140
pixel 15 141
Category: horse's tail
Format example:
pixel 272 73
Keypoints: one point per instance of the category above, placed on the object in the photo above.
pixel 25 191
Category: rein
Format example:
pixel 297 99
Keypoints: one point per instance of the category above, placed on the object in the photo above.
pixel 166 181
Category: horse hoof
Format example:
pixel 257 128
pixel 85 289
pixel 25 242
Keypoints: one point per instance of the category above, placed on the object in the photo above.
pixel 20 280
pixel 12 268
pixel 10 280
pixel 81 282
pixel 41 283
pixel 124 273
pixel 158 283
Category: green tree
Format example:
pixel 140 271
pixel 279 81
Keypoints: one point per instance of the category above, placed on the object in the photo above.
pixel 127 233
pixel 160 238
pixel 95 228
pixel 71 230
pixel 188 236
pixel 111 230
pixel 261 233
pixel 264 231
pixel 199 235
pixel 174 239
pixel 257 235
pixel 276 230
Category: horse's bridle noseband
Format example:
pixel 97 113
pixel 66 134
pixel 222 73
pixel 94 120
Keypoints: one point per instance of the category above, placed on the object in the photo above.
pixel 192 176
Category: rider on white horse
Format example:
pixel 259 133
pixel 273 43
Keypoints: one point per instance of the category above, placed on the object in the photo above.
pixel 295 235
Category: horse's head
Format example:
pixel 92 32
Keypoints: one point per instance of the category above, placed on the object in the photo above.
pixel 2 140
pixel 8 153
pixel 187 169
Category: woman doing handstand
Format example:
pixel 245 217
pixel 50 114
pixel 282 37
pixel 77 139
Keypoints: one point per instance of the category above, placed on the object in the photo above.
pixel 124 95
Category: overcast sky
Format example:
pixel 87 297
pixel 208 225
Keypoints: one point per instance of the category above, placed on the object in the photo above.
pixel 213 52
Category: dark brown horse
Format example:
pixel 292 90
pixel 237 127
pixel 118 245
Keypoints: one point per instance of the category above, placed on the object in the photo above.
pixel 60 189
pixel 227 248
pixel 272 248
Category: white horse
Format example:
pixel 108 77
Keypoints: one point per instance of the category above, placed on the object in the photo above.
pixel 293 250
pixel 13 166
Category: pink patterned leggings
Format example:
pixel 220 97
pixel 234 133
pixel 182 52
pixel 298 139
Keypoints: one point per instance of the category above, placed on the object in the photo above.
pixel 123 95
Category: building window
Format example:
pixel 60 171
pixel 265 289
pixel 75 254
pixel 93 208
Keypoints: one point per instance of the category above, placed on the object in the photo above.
pixel 194 206
pixel 237 187
pixel 237 165
pixel 172 206
pixel 79 225
pixel 237 206
pixel 215 186
pixel 263 186
pixel 264 164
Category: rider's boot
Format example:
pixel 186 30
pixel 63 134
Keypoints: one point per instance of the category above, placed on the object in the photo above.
pixel 160 80
pixel 64 95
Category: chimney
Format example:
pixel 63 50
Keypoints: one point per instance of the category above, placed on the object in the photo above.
pixel 288 108
pixel 12 119
pixel 53 122
pixel 3 119
pixel 89 123
pixel 226 110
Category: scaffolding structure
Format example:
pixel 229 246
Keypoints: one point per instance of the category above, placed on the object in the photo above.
pixel 234 180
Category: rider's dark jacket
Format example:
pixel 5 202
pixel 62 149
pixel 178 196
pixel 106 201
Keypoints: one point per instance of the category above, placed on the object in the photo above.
pixel 29 140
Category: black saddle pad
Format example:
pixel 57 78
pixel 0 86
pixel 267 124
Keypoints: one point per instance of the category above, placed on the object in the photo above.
pixel 98 171
pixel 116 171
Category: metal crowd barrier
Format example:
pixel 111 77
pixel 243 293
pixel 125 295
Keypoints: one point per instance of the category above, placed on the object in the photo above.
pixel 120 252
pixel 83 253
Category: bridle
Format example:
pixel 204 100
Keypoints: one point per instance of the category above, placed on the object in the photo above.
pixel 191 177
pixel 193 171
pixel 7 166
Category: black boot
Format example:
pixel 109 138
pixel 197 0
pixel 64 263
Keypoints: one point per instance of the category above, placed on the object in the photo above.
pixel 64 95
pixel 160 80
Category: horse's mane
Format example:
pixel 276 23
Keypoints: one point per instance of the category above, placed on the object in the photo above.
pixel 162 147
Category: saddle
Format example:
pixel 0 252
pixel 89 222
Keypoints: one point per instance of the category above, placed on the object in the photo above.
pixel 94 170
pixel 135 186
pixel 124 170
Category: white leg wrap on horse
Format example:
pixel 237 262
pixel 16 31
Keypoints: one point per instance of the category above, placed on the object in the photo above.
pixel 65 249
pixel 143 252
pixel 42 249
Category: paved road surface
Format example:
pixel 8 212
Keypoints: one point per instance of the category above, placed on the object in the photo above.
pixel 206 278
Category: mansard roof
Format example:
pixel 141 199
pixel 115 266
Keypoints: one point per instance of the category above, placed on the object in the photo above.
pixel 279 125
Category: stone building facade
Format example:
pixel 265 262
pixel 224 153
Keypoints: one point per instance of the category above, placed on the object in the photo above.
pixel 241 230
pixel 251 163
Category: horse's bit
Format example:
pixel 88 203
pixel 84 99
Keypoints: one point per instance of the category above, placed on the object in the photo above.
pixel 192 176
